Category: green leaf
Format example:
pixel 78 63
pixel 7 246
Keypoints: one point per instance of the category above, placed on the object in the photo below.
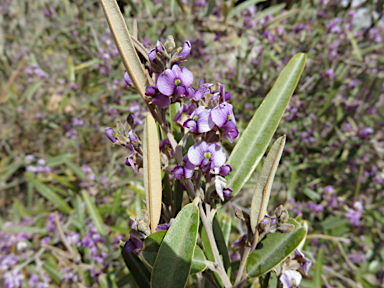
pixel 152 171
pixel 151 248
pixel 138 270
pixel 318 269
pixel 237 9
pixel 94 213
pixel 174 259
pixel 254 141
pixel 273 249
pixel 264 183
pixel 220 241
pixel 49 194
pixel 52 271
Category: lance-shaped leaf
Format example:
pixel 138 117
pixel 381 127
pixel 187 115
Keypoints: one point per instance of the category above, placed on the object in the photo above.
pixel 256 137
pixel 151 248
pixel 273 249
pixel 138 270
pixel 125 45
pixel 174 260
pixel 264 183
pixel 152 171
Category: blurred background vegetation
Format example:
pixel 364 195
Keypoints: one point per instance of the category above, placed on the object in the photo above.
pixel 66 197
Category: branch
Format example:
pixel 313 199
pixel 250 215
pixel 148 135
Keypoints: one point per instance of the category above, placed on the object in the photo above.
pixel 219 265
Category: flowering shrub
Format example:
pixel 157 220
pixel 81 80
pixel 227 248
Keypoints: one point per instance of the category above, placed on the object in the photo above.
pixel 63 84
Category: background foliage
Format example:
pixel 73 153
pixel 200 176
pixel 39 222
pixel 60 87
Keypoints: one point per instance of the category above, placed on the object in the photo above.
pixel 66 198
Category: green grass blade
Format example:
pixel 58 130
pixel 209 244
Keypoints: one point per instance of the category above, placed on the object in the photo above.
pixel 94 213
pixel 50 195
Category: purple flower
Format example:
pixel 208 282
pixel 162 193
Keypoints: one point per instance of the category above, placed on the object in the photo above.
pixel 29 158
pixel 304 262
pixel 109 133
pixel 223 117
pixel 200 121
pixel 13 279
pixel 163 227
pixel 225 170
pixel 129 161
pixel 8 261
pixel 87 242
pixel 221 188
pixel 184 53
pixel 353 215
pixel 134 244
pixel 183 114
pixel 207 156
pixel 329 189
pixel 201 91
pixel 239 241
pixel 290 279
pixel 169 80
pixel 184 169
pixel 163 101
pixel 127 79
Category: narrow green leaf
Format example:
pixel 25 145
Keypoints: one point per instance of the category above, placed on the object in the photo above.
pixel 273 249
pixel 237 9
pixel 125 45
pixel 220 241
pixel 138 270
pixel 355 47
pixel 57 160
pixel 264 183
pixel 94 213
pixel 174 259
pixel 151 248
pixel 259 132
pixel 49 194
pixel 52 271
pixel 76 169
pixel 152 171
pixel 318 269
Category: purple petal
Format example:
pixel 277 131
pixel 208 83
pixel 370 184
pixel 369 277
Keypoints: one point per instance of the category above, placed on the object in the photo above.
pixel 180 91
pixel 151 90
pixel 166 82
pixel 189 169
pixel 152 55
pixel 289 277
pixel 199 93
pixel 184 53
pixel 191 125
pixel 186 77
pixel 225 170
pixel 109 133
pixel 220 114
pixel 162 101
pixel 204 121
pixel 127 79
pixel 178 172
pixel 196 153
pixel 218 157
pixel 134 244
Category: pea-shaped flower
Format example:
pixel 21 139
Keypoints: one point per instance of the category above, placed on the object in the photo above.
pixel 207 156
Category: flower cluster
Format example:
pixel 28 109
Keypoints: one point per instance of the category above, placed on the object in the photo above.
pixel 204 114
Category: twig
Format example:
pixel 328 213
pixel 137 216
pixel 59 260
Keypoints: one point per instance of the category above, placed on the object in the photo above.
pixel 328 237
pixel 244 258
pixel 220 268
